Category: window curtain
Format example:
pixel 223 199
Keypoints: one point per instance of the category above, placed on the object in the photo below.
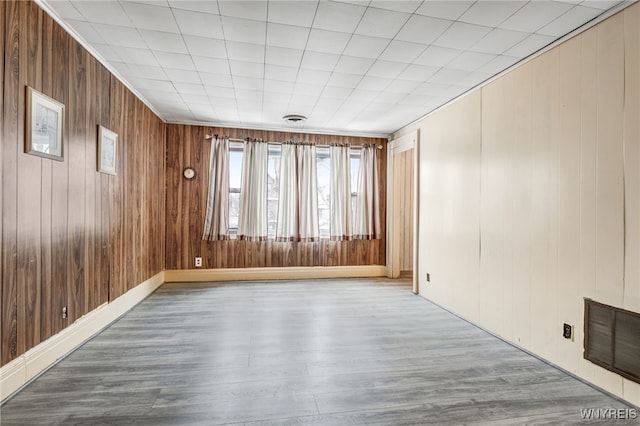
pixel 367 219
pixel 340 189
pixel 298 197
pixel 216 224
pixel 252 224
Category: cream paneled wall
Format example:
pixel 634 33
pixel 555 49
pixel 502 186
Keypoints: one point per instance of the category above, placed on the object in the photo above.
pixel 530 196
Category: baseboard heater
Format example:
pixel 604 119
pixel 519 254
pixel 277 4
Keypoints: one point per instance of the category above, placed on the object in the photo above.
pixel 612 339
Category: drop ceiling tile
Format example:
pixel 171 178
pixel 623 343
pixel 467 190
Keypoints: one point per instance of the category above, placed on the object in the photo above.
pixel 103 12
pixel 407 6
pixel 248 95
pixel 402 51
pixel 448 76
pixel 198 24
pixel 165 42
pixel 247 31
pixel 303 100
pixel 353 65
pixel 298 13
pixel 248 83
pixel 307 89
pixel 445 9
pixel 374 83
pixel 190 88
pixel 210 6
pixel 66 10
pixel 535 15
pixel 280 73
pixel 419 73
pixel 247 52
pixel 192 99
pixel 216 91
pixel 491 13
pixel 327 41
pixel 423 29
pixel 390 96
pixel 498 64
pixel 175 60
pixel 529 45
pixel 334 92
pixel 470 61
pixel 278 86
pixel 86 31
pixel 246 69
pixel 437 56
pixel 344 80
pixel 150 17
pixel 211 65
pixel 432 89
pixel 107 52
pixel 132 55
pixel 499 40
pixel 153 72
pixel 202 46
pixel 386 69
pixel 365 46
pixel 287 36
pixel 283 56
pixel 600 4
pixel 312 76
pixel 474 79
pixel 402 86
pixel 219 80
pixel 120 36
pixel 335 16
pixel 571 20
pixel 381 23
pixel 182 76
pixel 364 95
pixel 246 9
pixel 319 61
pixel 146 84
pixel 461 36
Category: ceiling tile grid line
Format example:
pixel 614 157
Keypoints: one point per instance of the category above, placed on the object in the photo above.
pixel 352 67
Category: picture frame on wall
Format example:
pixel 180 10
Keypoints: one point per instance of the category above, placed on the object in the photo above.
pixel 107 146
pixel 44 126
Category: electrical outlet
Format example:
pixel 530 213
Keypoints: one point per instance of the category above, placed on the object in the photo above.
pixel 428 277
pixel 198 262
pixel 567 331
pixel 64 312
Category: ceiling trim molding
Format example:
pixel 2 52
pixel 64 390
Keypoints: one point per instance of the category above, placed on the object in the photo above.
pixel 311 131
pixel 586 26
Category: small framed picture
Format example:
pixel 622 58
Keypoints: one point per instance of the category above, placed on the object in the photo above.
pixel 107 145
pixel 44 121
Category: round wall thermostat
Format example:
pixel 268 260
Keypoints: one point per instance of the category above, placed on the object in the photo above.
pixel 189 173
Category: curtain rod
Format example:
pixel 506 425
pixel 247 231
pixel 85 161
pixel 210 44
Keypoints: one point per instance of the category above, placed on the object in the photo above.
pixel 210 137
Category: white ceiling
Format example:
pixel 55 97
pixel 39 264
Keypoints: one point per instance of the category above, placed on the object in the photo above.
pixel 351 67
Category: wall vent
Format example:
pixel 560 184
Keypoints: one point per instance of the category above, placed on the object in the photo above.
pixel 612 339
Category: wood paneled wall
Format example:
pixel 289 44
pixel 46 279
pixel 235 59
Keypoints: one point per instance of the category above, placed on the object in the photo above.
pixel 534 204
pixel 186 209
pixel 71 236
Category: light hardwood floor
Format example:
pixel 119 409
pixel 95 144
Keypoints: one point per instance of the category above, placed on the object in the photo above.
pixel 313 352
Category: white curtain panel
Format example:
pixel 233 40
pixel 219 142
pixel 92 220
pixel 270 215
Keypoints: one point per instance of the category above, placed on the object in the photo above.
pixel 340 189
pixel 252 224
pixel 216 224
pixel 367 219
pixel 307 194
pixel 287 226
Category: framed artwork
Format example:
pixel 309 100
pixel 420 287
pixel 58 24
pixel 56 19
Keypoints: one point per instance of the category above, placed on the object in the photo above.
pixel 44 121
pixel 107 144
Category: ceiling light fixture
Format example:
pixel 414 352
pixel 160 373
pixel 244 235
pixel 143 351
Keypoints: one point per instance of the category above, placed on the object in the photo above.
pixel 294 118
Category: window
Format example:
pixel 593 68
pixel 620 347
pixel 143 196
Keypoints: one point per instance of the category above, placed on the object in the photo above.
pixel 273 188
pixel 236 152
pixel 323 170
pixel 355 171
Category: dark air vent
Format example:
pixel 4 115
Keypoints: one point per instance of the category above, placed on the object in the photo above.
pixel 612 339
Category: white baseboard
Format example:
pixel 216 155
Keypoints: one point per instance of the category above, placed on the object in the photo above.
pixel 275 273
pixel 21 370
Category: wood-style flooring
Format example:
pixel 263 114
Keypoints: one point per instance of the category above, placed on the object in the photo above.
pixel 312 352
